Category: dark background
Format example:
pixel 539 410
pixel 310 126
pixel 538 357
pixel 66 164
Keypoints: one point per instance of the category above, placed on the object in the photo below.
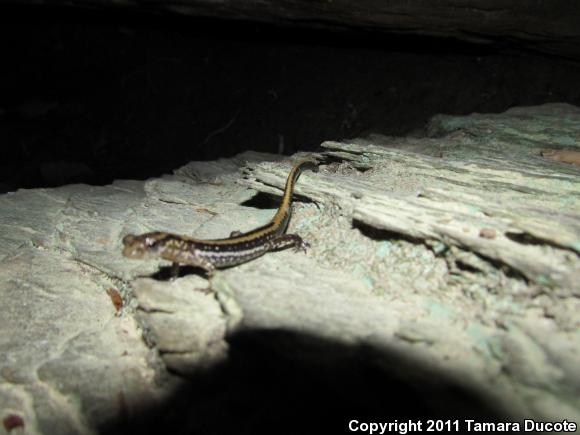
pixel 92 96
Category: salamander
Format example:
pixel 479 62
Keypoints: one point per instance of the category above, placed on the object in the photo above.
pixel 239 248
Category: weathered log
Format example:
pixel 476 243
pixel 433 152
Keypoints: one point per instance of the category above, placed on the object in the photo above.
pixel 550 27
pixel 488 187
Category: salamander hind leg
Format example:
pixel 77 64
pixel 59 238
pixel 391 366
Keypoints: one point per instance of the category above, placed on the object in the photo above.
pixel 289 240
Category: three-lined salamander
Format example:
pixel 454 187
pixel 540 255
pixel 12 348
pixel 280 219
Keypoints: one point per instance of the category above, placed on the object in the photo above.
pixel 219 253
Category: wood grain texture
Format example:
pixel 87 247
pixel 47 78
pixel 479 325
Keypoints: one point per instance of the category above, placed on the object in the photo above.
pixel 480 174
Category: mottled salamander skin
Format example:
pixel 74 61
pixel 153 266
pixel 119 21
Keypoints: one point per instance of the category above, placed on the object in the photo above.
pixel 219 253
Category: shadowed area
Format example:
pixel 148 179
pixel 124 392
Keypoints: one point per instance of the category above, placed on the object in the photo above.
pixel 93 96
pixel 287 383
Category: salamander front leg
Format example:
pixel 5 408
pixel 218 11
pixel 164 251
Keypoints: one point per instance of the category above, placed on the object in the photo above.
pixel 288 240
pixel 208 267
pixel 209 270
pixel 194 260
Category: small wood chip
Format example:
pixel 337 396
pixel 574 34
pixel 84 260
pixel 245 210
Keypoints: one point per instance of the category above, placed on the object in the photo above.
pixel 487 233
pixel 12 421
pixel 115 298
pixel 564 156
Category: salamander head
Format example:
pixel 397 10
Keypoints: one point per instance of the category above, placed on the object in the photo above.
pixel 143 245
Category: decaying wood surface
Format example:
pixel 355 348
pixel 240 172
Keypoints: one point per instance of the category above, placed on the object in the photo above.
pixel 482 185
pixel 454 256
pixel 466 239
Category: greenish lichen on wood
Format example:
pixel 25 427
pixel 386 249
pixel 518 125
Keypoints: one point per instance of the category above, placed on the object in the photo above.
pixel 481 185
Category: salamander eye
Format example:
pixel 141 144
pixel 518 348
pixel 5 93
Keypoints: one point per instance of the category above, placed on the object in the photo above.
pixel 150 241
